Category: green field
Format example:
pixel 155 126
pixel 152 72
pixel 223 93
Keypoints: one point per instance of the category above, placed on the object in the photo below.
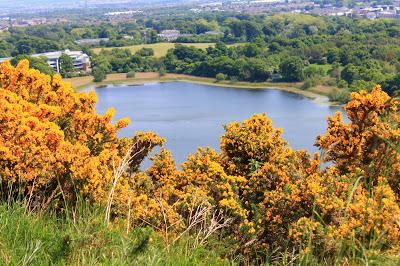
pixel 160 49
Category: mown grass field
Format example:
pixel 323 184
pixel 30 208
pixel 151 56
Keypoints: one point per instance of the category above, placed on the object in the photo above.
pixel 160 49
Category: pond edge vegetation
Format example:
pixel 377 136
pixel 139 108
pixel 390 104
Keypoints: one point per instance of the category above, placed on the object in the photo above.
pixel 83 83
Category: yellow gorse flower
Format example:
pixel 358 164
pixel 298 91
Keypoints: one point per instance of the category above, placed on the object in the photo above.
pixel 52 140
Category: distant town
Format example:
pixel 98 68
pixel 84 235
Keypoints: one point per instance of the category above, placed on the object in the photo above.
pixel 125 13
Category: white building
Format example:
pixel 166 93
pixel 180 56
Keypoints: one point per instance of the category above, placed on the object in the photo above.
pixel 169 35
pixel 80 60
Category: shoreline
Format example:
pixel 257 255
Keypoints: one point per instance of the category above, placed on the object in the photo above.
pixel 142 78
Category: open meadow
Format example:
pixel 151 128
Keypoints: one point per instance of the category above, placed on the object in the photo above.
pixel 160 49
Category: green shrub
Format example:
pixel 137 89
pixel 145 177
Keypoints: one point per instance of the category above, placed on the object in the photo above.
pixel 330 82
pixel 339 95
pixel 233 78
pixel 309 82
pixel 145 51
pixel 314 71
pixel 162 72
pixel 98 74
pixel 220 77
pixel 342 84
pixel 131 74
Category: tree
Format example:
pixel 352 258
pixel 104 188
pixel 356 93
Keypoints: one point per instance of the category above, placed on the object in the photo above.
pixel 334 72
pixel 220 77
pixel 237 28
pixel 98 74
pixel 66 65
pixel 145 52
pixel 188 53
pixel 392 85
pixel 253 69
pixel 314 71
pixel 251 50
pixel 350 73
pixel 292 69
pixel 252 31
pixel 34 62
pixel 333 55
pixel 152 36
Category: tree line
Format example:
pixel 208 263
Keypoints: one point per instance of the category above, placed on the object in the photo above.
pixel 346 53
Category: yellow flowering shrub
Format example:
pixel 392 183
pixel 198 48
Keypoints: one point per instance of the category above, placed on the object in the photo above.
pixel 362 206
pixel 52 142
pixel 203 178
pixel 367 142
pixel 273 173
pixel 55 147
pixel 363 218
pixel 246 146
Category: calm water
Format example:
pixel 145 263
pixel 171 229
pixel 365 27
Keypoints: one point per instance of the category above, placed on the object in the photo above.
pixel 190 115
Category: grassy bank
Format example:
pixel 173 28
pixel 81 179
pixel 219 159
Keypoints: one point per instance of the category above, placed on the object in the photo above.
pixel 160 49
pixel 318 92
pixel 82 238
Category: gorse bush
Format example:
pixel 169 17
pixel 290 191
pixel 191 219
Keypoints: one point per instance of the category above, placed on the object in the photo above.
pixel 257 194
pixel 53 145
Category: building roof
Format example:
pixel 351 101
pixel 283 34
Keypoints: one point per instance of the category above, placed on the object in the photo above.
pixel 58 54
pixel 92 41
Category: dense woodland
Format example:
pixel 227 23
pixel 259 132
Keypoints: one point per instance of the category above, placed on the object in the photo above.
pixel 349 54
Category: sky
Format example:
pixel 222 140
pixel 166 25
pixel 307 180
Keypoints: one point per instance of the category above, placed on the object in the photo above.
pixel 10 3
pixel 32 5
pixel 28 6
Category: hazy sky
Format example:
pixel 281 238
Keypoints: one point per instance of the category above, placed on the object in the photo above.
pixel 31 5
pixel 28 6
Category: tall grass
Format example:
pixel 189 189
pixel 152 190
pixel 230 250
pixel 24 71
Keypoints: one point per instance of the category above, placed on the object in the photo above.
pixel 82 238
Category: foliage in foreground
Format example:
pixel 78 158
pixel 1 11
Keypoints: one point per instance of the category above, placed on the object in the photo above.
pixel 42 238
pixel 257 194
pixel 84 239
